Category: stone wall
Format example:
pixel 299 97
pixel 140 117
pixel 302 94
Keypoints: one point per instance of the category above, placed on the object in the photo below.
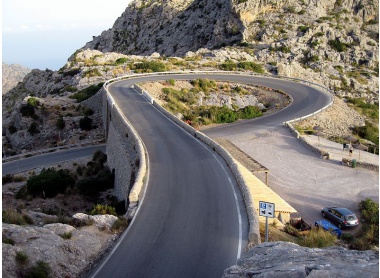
pixel 125 153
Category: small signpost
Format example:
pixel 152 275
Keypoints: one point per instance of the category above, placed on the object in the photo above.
pixel 266 209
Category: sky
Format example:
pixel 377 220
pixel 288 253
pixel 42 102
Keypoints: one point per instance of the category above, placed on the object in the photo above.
pixel 44 33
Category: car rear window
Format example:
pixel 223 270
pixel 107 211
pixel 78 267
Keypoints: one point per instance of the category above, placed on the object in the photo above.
pixel 350 217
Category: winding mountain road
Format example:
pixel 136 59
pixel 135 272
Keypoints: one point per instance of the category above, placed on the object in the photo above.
pixel 191 222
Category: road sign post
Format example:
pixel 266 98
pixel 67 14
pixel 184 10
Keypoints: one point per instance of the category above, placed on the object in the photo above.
pixel 266 209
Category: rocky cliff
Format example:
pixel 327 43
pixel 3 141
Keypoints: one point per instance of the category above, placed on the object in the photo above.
pixel 334 43
pixel 12 75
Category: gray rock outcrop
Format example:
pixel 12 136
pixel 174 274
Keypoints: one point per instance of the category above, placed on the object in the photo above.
pixel 12 75
pixel 66 249
pixel 282 259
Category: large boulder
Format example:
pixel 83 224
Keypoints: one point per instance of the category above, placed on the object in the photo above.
pixel 284 259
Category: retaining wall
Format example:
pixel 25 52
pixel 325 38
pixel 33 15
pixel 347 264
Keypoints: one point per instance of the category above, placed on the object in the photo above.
pixel 125 153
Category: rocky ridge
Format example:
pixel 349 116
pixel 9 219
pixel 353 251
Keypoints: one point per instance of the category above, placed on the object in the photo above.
pixel 334 43
pixel 12 75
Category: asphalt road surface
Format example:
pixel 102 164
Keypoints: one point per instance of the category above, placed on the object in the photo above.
pixel 45 160
pixel 190 222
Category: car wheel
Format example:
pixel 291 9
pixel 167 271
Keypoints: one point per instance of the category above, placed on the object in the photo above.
pixel 323 214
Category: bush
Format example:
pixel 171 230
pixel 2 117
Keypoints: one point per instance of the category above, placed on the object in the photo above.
pixel 14 217
pixel 27 110
pixel 369 132
pixel 250 112
pixel 85 123
pixel 120 61
pixel 228 66
pixel 49 183
pixel 103 209
pixel 60 123
pixel 119 225
pixel 66 235
pixel 251 66
pixel 92 186
pixel 87 92
pixel 33 129
pixel 338 46
pixel 319 238
pixel 99 156
pixel 21 257
pixel 150 66
pixel 40 270
pixel 71 72
pixel 91 73
pixel 32 101
pixel 7 240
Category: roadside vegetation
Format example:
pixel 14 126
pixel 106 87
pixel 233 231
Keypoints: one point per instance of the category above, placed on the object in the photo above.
pixel 365 238
pixel 185 102
pixel 88 182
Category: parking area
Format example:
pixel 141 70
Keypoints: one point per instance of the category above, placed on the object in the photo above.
pixel 306 181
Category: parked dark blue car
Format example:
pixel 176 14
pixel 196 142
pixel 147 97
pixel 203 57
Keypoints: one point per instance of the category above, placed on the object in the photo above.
pixel 341 217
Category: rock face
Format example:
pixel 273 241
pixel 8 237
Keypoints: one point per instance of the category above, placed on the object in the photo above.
pixel 12 75
pixel 67 256
pixel 281 259
pixel 150 26
pixel 334 43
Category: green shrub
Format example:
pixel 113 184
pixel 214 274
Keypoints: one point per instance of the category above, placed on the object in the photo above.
pixel 369 132
pixel 283 49
pixel 85 123
pixel 91 73
pixel 251 66
pixel 60 123
pixel 228 66
pixel 318 238
pixel 150 66
pixel 121 61
pixel 103 209
pixel 7 240
pixel 303 29
pixel 49 183
pixel 119 225
pixel 250 112
pixel 21 257
pixel 40 270
pixel 223 114
pixel 66 235
pixel 338 46
pixel 87 92
pixel 32 101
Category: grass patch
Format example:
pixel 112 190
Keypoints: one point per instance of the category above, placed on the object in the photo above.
pixel 17 218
